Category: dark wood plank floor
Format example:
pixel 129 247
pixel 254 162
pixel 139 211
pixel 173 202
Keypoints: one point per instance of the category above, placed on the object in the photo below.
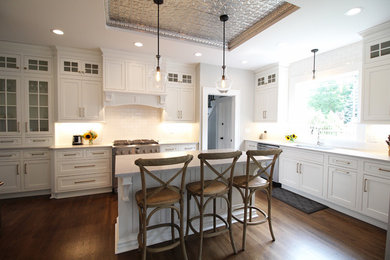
pixel 83 228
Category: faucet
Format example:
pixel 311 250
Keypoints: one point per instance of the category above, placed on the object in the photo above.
pixel 318 137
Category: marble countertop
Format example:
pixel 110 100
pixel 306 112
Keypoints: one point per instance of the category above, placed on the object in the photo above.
pixel 124 164
pixel 80 146
pixel 376 155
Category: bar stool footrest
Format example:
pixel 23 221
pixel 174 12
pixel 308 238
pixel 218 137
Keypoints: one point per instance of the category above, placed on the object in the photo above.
pixel 207 232
pixel 252 222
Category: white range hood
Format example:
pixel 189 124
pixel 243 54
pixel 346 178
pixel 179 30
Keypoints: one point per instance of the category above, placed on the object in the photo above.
pixel 112 98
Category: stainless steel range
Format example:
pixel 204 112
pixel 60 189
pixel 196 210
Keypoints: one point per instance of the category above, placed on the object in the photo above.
pixel 138 146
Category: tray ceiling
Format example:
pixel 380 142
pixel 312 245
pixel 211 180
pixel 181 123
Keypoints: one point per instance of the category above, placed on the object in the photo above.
pixel 198 20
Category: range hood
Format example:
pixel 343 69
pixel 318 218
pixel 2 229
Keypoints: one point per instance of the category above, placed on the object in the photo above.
pixel 112 98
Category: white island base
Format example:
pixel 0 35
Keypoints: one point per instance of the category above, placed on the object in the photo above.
pixel 129 182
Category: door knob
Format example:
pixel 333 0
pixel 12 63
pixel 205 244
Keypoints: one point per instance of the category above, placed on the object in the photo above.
pixel 221 138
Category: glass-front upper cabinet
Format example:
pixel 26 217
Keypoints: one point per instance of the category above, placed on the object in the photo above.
pixel 79 67
pixel 9 106
pixel 40 65
pixel 9 62
pixel 38 106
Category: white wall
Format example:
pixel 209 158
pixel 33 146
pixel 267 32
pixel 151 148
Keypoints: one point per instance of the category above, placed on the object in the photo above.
pixel 243 80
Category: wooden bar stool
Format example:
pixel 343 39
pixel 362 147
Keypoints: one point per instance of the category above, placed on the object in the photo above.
pixel 161 197
pixel 220 186
pixel 251 182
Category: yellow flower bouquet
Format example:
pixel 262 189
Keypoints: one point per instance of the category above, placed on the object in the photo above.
pixel 90 136
pixel 291 137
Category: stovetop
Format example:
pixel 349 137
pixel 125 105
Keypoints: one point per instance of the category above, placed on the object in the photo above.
pixel 135 142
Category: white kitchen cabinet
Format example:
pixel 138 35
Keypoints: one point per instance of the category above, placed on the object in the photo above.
pixel 81 171
pixel 271 88
pixel 70 66
pixel 37 65
pixel 10 62
pixel 302 170
pixel 178 147
pixel 10 106
pixel 250 145
pixel 80 100
pixel 376 74
pixel 180 104
pixel 376 192
pixel 135 77
pixel 342 186
pixel 114 75
pixel 24 170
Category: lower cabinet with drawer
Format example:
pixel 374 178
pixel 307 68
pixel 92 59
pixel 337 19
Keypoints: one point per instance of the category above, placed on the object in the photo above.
pixel 24 172
pixel 81 171
pixel 178 147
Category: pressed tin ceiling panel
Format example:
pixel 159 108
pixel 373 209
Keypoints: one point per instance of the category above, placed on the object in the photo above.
pixel 198 20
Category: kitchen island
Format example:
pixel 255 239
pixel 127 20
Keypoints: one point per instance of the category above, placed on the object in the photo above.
pixel 129 182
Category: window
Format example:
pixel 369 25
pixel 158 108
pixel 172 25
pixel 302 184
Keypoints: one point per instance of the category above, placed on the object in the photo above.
pixel 330 105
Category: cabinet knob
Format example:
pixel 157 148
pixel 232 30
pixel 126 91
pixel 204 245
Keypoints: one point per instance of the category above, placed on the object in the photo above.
pixel 25 68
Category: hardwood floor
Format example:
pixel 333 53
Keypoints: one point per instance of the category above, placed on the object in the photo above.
pixel 83 228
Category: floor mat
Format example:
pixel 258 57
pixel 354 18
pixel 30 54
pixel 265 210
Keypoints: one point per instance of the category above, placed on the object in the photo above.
pixel 297 201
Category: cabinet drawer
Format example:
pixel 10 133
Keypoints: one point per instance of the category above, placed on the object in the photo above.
pixel 343 162
pixel 168 148
pixel 84 167
pixel 70 154
pixel 9 155
pixel 301 155
pixel 36 154
pixel 83 182
pixel 10 141
pixel 98 153
pixel 381 169
pixel 39 141
pixel 188 147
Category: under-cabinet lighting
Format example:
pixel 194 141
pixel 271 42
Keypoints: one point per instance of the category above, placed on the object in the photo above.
pixel 57 31
pixel 353 11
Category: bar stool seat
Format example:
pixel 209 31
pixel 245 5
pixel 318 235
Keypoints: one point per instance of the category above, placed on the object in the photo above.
pixel 211 188
pixel 163 196
pixel 256 183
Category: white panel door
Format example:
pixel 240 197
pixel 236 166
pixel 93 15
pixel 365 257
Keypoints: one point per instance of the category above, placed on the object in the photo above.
pixel 377 93
pixel 376 192
pixel 289 172
pixel 10 175
pixel 91 100
pixel 312 178
pixel 172 104
pixel 114 75
pixel 36 175
pixel 187 104
pixel 342 187
pixel 69 99
pixel 135 77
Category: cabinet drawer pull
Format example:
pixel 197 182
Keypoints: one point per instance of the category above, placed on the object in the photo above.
pixel 25 168
pixel 39 140
pixel 84 166
pixel 296 170
pixel 70 154
pixel 17 169
pixel 365 185
pixel 7 141
pixel 86 181
pixel 169 149
pixel 98 153
pixel 37 154
pixel 340 171
pixel 6 155
pixel 300 168
pixel 18 127
pixel 345 162
pixel 384 170
pixel 26 126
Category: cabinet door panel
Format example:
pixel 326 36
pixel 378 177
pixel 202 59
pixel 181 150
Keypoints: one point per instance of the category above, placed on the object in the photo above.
pixel 376 192
pixel 135 77
pixel 114 75
pixel 36 175
pixel 342 187
pixel 69 99
pixel 187 105
pixel 171 110
pixel 10 106
pixel 10 175
pixel 311 178
pixel 91 100
pixel 289 172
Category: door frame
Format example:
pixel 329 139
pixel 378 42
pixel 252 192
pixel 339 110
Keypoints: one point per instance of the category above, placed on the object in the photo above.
pixel 235 115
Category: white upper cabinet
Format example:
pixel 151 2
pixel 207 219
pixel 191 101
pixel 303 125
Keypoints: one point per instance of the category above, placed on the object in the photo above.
pixel 79 95
pixel 114 75
pixel 36 64
pixel 9 62
pixel 376 75
pixel 270 101
pixel 135 77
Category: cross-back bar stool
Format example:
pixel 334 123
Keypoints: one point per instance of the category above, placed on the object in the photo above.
pixel 251 182
pixel 205 191
pixel 161 197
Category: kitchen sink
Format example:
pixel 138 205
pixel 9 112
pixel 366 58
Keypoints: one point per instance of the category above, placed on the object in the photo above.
pixel 314 146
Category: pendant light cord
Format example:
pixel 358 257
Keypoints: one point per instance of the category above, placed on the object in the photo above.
pixel 223 66
pixel 158 35
pixel 314 66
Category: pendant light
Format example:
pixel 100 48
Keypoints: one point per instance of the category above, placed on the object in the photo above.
pixel 158 77
pixel 314 62
pixel 224 84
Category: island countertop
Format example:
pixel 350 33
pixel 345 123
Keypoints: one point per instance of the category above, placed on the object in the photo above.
pixel 125 166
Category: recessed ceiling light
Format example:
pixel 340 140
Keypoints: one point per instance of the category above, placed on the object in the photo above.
pixel 353 11
pixel 138 44
pixel 198 54
pixel 57 31
pixel 244 62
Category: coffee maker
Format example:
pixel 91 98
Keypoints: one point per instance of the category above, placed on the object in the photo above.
pixel 77 140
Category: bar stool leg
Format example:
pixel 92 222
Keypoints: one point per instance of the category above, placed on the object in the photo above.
pixel 201 232
pixel 245 219
pixel 269 214
pixel 188 213
pixel 183 246
pixel 172 228
pixel 230 221
pixel 214 213
pixel 144 239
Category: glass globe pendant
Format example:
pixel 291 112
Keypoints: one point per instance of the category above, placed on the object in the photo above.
pixel 224 84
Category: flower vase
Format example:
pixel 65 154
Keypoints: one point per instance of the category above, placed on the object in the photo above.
pixel 91 141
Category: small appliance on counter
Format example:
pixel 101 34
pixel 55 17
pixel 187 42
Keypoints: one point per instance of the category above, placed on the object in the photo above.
pixel 77 140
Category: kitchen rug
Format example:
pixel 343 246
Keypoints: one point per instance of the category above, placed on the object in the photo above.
pixel 297 201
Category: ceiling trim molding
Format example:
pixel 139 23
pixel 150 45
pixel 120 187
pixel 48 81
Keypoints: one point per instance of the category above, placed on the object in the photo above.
pixel 274 17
